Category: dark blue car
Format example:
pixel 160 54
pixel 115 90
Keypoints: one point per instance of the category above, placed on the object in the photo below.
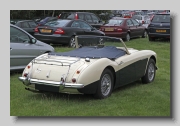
pixel 47 19
pixel 159 27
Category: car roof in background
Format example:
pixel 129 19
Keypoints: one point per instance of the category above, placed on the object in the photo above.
pixel 118 18
pixel 24 20
pixel 78 12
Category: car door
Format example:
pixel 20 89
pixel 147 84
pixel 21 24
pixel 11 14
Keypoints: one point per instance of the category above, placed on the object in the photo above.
pixel 138 28
pixel 131 28
pixel 21 50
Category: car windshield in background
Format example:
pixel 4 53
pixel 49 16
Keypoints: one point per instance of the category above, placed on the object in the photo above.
pixel 114 22
pixel 137 17
pixel 67 16
pixel 57 23
pixel 161 18
pixel 44 19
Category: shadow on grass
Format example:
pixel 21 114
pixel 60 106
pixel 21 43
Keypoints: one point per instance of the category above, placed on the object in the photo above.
pixel 61 96
pixel 77 97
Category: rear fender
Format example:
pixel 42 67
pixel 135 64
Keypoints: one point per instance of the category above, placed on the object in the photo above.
pixel 93 72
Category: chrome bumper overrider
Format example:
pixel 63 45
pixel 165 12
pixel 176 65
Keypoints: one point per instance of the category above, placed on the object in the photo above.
pixel 27 81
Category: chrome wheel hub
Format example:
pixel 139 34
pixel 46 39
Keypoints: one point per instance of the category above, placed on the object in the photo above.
pixel 106 84
pixel 72 43
pixel 151 72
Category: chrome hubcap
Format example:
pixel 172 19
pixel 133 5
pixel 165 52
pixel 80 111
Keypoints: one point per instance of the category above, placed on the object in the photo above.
pixel 72 42
pixel 151 72
pixel 106 84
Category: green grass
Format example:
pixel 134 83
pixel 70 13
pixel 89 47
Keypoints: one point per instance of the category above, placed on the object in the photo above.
pixel 135 99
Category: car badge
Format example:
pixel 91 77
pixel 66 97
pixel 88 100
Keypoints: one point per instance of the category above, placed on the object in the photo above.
pixel 160 24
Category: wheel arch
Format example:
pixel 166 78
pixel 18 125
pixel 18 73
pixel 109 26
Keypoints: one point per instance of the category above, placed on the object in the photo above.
pixel 113 72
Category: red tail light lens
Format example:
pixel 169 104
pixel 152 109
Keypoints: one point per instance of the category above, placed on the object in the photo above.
pixel 142 22
pixel 59 16
pixel 36 29
pixel 25 74
pixel 59 31
pixel 76 16
pixel 74 80
pixel 101 29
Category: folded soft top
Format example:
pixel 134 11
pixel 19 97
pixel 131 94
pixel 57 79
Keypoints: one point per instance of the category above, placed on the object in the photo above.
pixel 109 52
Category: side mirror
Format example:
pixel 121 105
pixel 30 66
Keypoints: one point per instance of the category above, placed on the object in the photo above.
pixel 33 40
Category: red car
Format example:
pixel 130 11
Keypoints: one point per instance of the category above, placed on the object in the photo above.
pixel 125 28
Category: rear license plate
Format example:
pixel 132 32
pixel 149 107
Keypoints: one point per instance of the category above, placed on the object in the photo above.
pixel 45 30
pixel 109 29
pixel 160 30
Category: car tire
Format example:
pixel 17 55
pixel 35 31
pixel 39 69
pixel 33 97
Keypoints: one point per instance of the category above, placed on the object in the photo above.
pixel 150 72
pixel 72 42
pixel 105 85
pixel 127 37
pixel 144 34
pixel 151 39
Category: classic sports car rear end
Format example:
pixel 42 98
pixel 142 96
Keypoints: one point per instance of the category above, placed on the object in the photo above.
pixel 89 69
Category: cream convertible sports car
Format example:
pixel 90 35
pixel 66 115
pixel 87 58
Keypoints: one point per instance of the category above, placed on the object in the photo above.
pixel 95 69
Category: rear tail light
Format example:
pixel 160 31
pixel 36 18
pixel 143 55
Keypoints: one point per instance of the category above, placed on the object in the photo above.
pixel 142 22
pixel 101 29
pixel 25 74
pixel 74 80
pixel 76 16
pixel 36 30
pixel 59 31
pixel 59 16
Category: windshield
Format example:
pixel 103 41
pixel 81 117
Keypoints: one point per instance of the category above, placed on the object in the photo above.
pixel 114 22
pixel 161 18
pixel 57 23
pixel 67 16
pixel 44 19
pixel 137 17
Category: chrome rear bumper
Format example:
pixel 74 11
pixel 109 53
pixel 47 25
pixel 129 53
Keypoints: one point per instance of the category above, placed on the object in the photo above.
pixel 27 81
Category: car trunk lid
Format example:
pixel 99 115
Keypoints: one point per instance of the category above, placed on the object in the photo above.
pixel 53 68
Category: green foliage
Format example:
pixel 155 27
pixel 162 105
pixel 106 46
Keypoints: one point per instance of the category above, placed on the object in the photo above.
pixel 135 99
pixel 30 14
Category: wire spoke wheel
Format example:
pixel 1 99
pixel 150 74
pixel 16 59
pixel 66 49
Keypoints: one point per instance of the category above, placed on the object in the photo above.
pixel 106 84
pixel 151 70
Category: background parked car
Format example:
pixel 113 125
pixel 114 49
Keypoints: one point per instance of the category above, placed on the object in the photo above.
pixel 24 47
pixel 47 19
pixel 159 27
pixel 126 28
pixel 63 31
pixel 27 25
pixel 90 18
pixel 143 19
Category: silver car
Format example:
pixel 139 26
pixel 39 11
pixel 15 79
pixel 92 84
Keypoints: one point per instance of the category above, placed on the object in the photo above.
pixel 24 47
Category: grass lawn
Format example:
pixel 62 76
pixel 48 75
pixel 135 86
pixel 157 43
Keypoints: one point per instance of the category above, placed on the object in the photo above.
pixel 135 99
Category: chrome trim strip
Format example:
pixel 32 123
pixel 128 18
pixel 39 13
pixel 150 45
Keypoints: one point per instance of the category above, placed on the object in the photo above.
pixel 62 85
